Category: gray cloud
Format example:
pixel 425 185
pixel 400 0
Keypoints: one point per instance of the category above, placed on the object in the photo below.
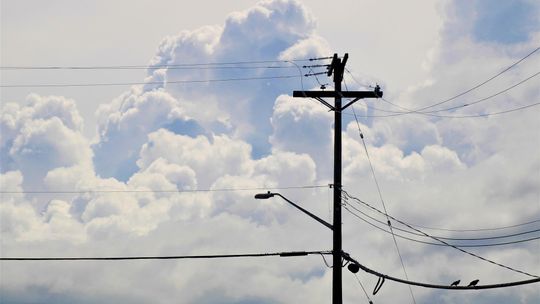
pixel 433 172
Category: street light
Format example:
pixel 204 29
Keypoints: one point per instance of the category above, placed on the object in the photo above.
pixel 270 194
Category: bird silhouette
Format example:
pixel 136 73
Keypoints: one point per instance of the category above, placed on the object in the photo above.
pixel 456 283
pixel 473 283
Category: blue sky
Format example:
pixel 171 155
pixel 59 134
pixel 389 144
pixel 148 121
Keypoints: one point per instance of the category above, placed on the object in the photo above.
pixel 508 22
pixel 456 173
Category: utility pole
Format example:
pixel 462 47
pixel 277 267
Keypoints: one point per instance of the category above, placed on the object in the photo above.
pixel 337 67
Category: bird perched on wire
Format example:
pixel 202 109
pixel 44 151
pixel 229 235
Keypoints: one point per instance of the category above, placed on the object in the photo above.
pixel 456 283
pixel 473 283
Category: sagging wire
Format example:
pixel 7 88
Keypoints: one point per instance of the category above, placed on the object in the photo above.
pixel 325 262
pixel 423 242
pixel 378 286
pixel 347 195
pixel 299 73
pixel 322 86
pixel 358 82
pixel 472 286
pixel 381 198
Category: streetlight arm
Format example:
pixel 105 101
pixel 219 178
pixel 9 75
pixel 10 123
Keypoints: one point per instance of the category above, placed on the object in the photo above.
pixel 318 219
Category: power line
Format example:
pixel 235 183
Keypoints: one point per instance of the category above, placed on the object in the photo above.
pixel 418 111
pixel 477 229
pixel 381 198
pixel 171 257
pixel 158 191
pixel 431 113
pixel 470 89
pixel 442 241
pixel 465 104
pixel 362 285
pixel 358 82
pixel 482 83
pixel 480 115
pixel 437 244
pixel 156 66
pixel 486 98
pixel 452 238
pixel 438 286
pixel 147 83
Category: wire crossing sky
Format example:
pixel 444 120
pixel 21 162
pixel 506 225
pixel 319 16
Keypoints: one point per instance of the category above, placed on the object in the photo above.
pixel 138 129
pixel 347 196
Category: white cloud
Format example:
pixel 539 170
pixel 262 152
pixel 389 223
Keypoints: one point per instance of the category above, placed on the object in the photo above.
pixel 165 176
pixel 303 126
pixel 42 145
pixel 177 139
pixel 276 30
pixel 209 159
pixel 126 124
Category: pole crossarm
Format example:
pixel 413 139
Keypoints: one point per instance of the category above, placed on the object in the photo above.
pixel 337 67
pixel 357 95
pixel 342 94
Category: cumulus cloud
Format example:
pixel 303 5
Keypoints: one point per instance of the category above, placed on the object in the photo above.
pixel 222 155
pixel 157 179
pixel 303 126
pixel 279 30
pixel 44 135
pixel 127 122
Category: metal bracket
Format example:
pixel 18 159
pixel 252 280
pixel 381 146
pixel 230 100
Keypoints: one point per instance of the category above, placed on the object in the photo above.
pixel 325 103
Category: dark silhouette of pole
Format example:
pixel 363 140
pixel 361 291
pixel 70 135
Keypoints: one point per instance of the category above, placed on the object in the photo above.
pixel 337 67
pixel 337 296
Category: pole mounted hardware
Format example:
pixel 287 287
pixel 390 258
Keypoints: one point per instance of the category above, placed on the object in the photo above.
pixel 318 219
pixel 336 69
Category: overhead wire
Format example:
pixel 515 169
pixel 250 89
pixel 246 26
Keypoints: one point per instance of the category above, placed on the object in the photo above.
pixel 476 229
pixel 358 82
pixel 158 67
pixel 223 65
pixel 453 230
pixel 171 257
pixel 299 73
pixel 362 285
pixel 397 113
pixel 480 115
pixel 451 238
pixel 346 207
pixel 432 113
pixel 440 286
pixel 466 91
pixel 486 98
pixel 316 78
pixel 348 196
pixel 381 198
pixel 472 88
pixel 146 83
pixel 151 66
pixel 481 83
pixel 155 191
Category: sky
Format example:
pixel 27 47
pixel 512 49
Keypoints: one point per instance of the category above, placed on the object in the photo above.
pixel 98 170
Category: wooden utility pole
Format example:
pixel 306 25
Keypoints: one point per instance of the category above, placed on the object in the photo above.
pixel 337 67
